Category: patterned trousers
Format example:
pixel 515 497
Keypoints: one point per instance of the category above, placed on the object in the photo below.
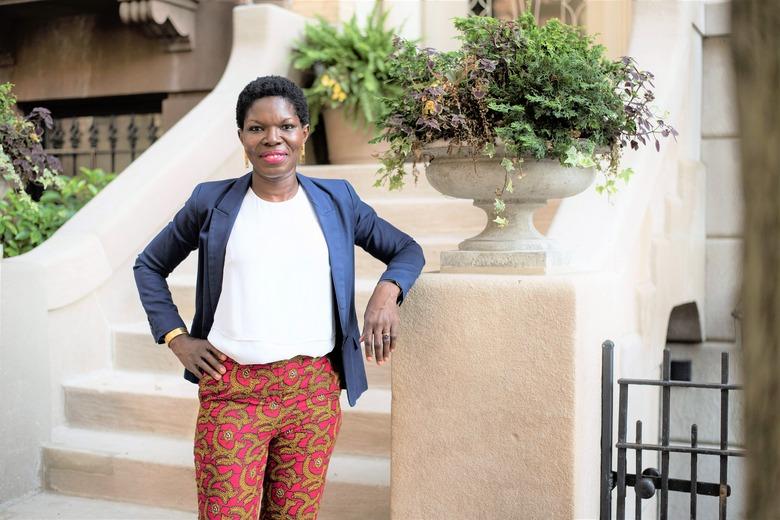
pixel 264 437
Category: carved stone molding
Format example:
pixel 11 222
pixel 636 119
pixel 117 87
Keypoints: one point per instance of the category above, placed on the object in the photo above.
pixel 172 21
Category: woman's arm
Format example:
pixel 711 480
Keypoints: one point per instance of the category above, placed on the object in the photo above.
pixel 404 259
pixel 158 259
pixel 402 255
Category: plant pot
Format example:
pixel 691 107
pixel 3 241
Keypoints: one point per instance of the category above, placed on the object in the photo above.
pixel 518 246
pixel 348 141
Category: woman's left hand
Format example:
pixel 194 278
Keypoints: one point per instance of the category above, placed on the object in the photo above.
pixel 380 322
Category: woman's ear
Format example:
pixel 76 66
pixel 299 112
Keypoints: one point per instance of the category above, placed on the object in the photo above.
pixel 305 132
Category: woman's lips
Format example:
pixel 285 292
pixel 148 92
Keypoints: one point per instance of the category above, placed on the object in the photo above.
pixel 274 158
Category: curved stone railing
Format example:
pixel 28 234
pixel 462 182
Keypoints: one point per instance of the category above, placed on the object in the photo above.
pixel 83 254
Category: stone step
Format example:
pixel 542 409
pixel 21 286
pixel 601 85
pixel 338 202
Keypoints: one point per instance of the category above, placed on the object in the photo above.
pixel 363 176
pixel 159 471
pixel 183 293
pixel 431 216
pixel 46 505
pixel 435 223
pixel 136 350
pixel 183 289
pixel 166 404
pixel 366 266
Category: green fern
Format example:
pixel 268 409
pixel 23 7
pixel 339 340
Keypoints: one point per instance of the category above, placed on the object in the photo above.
pixel 349 65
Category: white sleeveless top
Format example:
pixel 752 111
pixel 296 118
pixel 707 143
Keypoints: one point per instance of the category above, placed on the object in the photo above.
pixel 277 299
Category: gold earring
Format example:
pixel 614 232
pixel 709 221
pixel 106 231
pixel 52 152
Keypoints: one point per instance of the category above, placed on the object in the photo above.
pixel 303 155
pixel 246 160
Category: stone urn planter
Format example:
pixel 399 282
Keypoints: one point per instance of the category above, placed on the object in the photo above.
pixel 348 143
pixel 518 246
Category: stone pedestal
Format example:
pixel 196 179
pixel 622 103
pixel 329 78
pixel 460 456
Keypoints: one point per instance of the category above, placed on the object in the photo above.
pixel 495 388
pixel 506 262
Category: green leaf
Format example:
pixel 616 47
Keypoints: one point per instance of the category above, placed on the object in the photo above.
pixel 578 159
pixel 509 186
pixel 626 174
pixel 499 205
pixel 507 164
pixel 501 221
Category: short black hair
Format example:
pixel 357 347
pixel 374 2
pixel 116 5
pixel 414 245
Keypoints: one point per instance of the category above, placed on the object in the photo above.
pixel 265 86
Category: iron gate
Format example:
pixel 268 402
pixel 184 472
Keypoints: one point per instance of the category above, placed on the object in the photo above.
pixel 650 479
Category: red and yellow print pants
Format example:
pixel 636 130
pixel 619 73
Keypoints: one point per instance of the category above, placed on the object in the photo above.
pixel 264 437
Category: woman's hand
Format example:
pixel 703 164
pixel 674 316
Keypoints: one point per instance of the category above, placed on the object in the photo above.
pixel 380 322
pixel 198 355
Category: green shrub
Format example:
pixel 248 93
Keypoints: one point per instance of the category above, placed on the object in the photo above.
pixel 22 158
pixel 24 224
pixel 543 91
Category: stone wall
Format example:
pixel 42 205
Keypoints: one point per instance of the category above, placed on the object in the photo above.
pixel 95 55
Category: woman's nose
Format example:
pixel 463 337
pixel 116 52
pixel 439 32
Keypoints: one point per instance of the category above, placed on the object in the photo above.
pixel 271 136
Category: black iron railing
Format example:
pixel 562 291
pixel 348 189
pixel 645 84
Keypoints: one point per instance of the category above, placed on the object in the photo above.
pixel 108 142
pixel 650 479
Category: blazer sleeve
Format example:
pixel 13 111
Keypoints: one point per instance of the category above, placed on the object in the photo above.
pixel 398 251
pixel 158 259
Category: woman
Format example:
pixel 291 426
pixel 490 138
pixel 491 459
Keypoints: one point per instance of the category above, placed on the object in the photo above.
pixel 275 337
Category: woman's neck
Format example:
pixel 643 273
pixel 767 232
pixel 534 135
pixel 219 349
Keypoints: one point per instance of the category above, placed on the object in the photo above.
pixel 275 189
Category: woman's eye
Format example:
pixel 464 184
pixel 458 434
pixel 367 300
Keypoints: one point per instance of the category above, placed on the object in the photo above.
pixel 289 127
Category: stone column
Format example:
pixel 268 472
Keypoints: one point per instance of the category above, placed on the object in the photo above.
pixel 496 397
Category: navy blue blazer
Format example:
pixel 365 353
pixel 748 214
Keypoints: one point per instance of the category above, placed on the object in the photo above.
pixel 205 223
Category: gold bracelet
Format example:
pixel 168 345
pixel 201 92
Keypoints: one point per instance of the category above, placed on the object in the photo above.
pixel 172 334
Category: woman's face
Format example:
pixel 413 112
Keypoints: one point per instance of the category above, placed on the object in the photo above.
pixel 273 136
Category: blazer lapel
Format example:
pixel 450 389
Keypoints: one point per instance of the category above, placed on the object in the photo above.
pixel 334 237
pixel 224 216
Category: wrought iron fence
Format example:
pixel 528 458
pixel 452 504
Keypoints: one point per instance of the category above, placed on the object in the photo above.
pixel 107 142
pixel 649 480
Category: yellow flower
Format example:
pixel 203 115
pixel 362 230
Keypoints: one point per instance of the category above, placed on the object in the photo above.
pixel 326 81
pixel 429 107
pixel 338 93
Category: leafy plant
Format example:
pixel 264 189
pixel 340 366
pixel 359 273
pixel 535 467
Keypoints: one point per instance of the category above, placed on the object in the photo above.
pixel 541 91
pixel 350 66
pixel 24 224
pixel 22 158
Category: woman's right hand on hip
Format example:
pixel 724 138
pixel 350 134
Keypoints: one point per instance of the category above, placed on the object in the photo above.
pixel 198 355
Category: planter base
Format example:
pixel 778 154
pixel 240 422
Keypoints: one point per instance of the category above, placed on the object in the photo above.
pixel 506 262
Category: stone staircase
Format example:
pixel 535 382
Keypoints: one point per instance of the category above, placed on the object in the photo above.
pixel 128 432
